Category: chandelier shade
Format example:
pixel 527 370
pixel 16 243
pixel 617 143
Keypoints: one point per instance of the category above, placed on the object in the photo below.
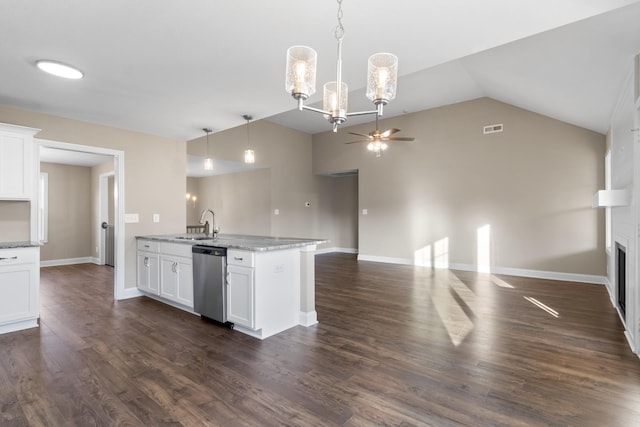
pixel 382 77
pixel 300 80
pixel 301 72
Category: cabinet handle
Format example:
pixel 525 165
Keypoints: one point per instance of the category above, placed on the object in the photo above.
pixel 146 261
pixel 11 257
pixel 146 246
pixel 174 267
pixel 238 258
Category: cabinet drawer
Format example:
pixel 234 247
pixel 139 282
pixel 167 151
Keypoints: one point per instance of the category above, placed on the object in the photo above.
pixel 148 245
pixel 176 249
pixel 241 258
pixel 19 256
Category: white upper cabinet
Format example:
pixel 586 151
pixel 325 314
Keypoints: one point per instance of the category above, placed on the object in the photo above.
pixel 17 162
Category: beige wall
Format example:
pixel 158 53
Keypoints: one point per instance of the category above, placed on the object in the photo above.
pixel 14 223
pixel 154 172
pixel 241 201
pixel 69 213
pixel 532 183
pixel 287 155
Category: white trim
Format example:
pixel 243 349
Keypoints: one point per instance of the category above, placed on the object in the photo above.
pixel 135 292
pixel 535 274
pixel 308 318
pixel 334 249
pixel 67 261
pixel 19 326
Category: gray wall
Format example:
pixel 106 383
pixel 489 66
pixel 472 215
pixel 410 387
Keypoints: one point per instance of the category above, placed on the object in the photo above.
pixel 532 184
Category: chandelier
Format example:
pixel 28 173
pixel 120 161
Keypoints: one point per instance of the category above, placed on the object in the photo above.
pixel 382 77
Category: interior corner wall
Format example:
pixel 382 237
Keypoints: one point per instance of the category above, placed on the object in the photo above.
pixel 428 200
pixel 286 153
pixel 69 213
pixel 151 163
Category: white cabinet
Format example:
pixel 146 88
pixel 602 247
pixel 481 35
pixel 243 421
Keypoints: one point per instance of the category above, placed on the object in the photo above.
pixel 263 291
pixel 19 288
pixel 166 269
pixel 176 279
pixel 17 162
pixel 148 266
pixel 240 295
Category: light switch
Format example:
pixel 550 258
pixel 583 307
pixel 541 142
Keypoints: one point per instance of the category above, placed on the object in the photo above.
pixel 365 211
pixel 156 217
pixel 276 211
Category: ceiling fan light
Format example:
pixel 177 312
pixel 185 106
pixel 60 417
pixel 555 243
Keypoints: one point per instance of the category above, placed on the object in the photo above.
pixel 59 69
pixel 334 102
pixel 301 72
pixel 382 78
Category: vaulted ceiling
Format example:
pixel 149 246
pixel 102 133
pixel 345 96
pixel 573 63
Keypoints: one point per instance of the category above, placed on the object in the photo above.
pixel 171 68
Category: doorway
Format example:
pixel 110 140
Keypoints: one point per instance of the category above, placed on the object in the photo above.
pixel 70 154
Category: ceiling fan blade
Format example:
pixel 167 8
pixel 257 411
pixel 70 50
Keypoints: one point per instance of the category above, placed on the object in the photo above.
pixel 400 138
pixel 389 132
pixel 356 142
pixel 360 134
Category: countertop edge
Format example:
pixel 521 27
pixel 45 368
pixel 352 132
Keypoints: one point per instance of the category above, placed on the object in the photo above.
pixel 235 241
pixel 17 245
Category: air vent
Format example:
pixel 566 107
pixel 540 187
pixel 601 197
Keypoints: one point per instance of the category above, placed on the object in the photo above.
pixel 493 128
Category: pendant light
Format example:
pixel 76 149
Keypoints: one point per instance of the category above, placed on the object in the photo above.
pixel 208 161
pixel 249 154
pixel 382 77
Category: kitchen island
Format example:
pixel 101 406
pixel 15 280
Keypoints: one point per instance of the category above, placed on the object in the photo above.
pixel 270 280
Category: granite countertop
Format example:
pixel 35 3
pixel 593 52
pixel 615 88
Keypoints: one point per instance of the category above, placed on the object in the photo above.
pixel 237 241
pixel 14 245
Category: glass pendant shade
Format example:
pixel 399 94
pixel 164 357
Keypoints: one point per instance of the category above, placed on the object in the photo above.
pixel 382 77
pixel 301 72
pixel 335 103
pixel 208 164
pixel 249 156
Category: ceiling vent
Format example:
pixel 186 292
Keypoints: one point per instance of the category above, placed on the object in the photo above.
pixel 493 128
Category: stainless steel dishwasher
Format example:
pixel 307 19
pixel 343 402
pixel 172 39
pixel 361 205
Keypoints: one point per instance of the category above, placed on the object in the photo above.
pixel 209 283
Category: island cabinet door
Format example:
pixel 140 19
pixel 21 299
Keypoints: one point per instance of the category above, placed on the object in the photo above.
pixel 240 296
pixel 148 272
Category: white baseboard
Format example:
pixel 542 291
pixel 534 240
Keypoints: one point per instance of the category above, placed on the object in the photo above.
pixel 68 261
pixel 536 274
pixel 19 326
pixel 334 249
pixel 308 318
pixel 127 293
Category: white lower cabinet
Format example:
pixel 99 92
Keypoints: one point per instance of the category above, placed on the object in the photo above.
pixel 19 288
pixel 176 279
pixel 148 267
pixel 240 295
pixel 166 269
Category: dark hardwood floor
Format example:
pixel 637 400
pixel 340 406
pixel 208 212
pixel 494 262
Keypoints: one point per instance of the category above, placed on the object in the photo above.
pixel 396 345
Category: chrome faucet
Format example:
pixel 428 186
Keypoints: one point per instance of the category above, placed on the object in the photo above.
pixel 213 229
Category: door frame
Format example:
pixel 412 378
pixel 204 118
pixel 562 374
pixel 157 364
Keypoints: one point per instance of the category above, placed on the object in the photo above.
pixel 119 230
pixel 103 209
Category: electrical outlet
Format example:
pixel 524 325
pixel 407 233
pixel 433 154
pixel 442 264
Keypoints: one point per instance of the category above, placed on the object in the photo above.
pixel 276 211
pixel 156 217
pixel 131 218
pixel 365 211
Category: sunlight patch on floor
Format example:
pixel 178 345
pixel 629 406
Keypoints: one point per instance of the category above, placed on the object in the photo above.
pixel 542 306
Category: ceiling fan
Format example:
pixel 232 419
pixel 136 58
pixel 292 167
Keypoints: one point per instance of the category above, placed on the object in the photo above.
pixel 377 139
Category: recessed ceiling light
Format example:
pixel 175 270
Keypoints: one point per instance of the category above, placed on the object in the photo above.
pixel 59 69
